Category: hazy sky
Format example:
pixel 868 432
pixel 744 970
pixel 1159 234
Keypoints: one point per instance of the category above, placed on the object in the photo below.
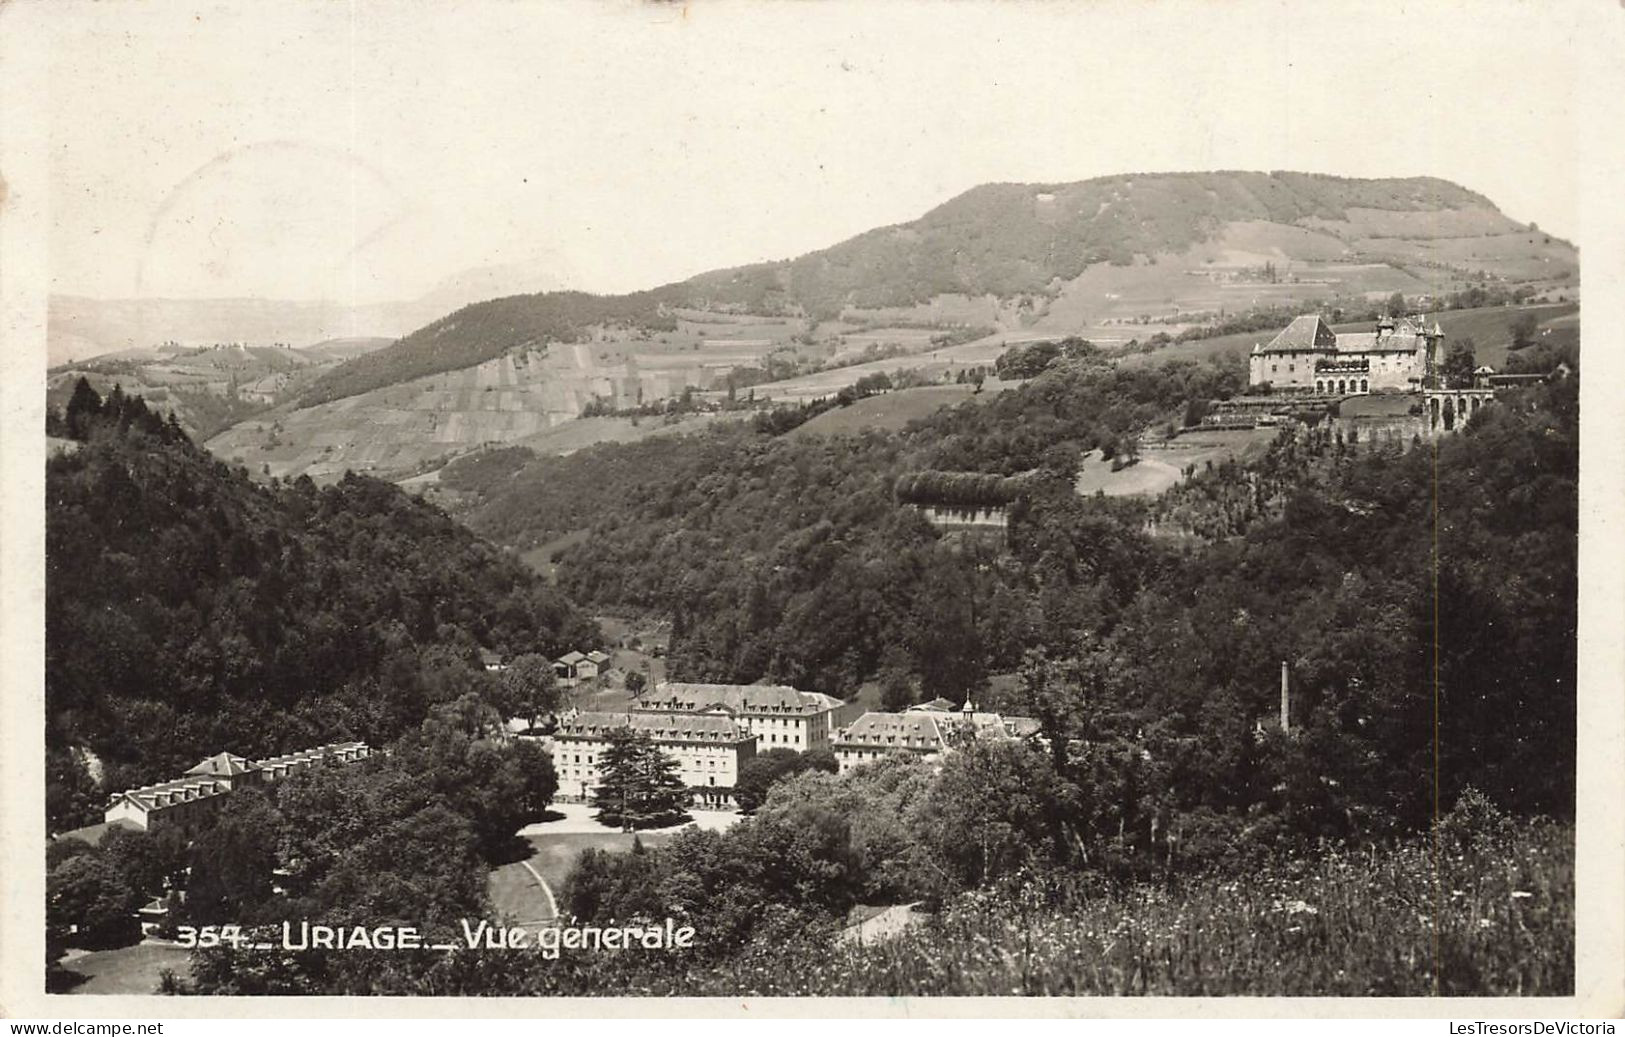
pixel 365 151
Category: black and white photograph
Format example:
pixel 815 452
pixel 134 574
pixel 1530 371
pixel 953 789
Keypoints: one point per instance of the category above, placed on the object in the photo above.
pixel 1076 504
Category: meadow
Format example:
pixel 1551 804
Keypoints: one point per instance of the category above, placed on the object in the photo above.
pixel 1438 915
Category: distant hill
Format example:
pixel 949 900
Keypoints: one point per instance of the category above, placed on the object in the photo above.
pixel 344 348
pixel 79 327
pixel 1009 239
pixel 1029 242
pixel 1115 260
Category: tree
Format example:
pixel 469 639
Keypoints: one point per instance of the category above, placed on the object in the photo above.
pixel 83 405
pixel 71 796
pixel 150 860
pixel 233 861
pixel 640 787
pixel 1458 365
pixel 1523 330
pixel 991 810
pixel 540 781
pixel 530 688
pixel 896 679
pixel 88 896
pixel 636 682
pixel 757 775
pixel 1396 305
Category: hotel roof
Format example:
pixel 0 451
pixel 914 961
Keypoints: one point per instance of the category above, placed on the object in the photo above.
pixel 668 727
pixel 751 699
pixel 222 765
pixel 921 730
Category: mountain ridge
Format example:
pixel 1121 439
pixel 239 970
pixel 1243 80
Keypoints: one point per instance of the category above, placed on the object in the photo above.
pixel 1002 239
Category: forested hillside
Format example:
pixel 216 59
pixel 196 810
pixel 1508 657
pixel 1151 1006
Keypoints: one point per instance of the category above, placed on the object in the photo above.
pixel 788 557
pixel 794 560
pixel 190 611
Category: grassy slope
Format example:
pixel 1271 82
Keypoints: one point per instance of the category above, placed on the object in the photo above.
pixel 889 411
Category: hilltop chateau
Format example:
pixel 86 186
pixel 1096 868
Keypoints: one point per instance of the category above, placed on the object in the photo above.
pixel 1309 356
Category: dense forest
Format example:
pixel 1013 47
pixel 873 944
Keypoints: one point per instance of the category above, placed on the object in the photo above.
pixel 190 610
pixel 789 558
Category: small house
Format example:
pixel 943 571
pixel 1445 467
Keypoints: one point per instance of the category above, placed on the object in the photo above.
pixel 595 664
pixel 571 663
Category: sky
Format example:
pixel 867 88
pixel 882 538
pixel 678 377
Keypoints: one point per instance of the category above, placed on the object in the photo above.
pixel 370 151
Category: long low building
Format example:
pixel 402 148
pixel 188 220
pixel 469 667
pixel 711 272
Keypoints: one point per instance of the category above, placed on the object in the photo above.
pixel 189 802
pixel 709 749
pixel 780 716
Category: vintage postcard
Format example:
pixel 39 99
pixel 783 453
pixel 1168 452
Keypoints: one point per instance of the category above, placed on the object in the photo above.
pixel 1075 508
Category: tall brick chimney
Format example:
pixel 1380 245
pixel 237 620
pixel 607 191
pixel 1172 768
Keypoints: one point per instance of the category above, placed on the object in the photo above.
pixel 1286 699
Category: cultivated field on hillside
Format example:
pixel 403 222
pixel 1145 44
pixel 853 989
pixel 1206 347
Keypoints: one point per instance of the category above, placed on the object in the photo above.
pixel 891 411
pixel 1162 466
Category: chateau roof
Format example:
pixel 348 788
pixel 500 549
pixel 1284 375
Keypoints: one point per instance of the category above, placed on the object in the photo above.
pixel 1305 333
pixel 1403 340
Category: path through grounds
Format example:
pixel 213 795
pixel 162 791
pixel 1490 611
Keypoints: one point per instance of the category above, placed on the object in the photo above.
pixel 527 891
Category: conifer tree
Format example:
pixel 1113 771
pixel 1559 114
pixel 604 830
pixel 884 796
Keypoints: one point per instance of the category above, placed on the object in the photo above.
pixel 84 404
pixel 641 787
